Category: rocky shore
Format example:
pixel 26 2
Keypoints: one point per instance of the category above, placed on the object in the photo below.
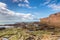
pixel 19 34
pixel 47 29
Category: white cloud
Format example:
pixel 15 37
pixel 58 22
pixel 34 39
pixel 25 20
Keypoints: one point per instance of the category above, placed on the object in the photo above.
pixel 47 1
pixel 8 16
pixel 25 5
pixel 54 6
pixel 2 5
pixel 21 5
pixel 28 6
pixel 26 1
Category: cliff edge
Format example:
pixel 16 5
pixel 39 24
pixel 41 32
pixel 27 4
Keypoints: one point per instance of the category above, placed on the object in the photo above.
pixel 53 20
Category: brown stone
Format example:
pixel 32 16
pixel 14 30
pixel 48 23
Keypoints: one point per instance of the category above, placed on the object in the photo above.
pixel 53 19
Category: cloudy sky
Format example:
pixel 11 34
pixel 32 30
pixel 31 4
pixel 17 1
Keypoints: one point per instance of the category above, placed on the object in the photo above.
pixel 12 11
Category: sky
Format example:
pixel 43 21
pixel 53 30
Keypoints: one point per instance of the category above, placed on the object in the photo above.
pixel 12 11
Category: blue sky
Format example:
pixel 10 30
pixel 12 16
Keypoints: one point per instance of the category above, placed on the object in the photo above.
pixel 12 11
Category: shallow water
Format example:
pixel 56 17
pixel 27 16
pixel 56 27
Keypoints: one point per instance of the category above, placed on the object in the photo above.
pixel 6 26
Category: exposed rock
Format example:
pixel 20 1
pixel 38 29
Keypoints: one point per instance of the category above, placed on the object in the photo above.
pixel 53 19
